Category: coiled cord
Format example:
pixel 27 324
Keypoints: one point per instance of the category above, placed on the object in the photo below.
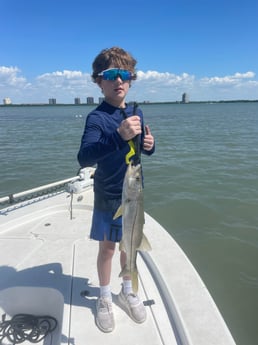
pixel 24 327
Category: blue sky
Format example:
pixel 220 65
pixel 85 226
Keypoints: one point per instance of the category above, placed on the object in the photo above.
pixel 207 48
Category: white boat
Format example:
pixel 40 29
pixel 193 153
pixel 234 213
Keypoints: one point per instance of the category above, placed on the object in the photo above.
pixel 48 268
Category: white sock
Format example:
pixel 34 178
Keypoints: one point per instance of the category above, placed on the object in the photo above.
pixel 105 291
pixel 127 287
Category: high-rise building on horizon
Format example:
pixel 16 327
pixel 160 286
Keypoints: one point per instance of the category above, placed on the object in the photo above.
pixel 185 98
pixel 7 101
pixel 90 100
pixel 52 101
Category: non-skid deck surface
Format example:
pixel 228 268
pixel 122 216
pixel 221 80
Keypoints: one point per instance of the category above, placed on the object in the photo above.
pixel 48 266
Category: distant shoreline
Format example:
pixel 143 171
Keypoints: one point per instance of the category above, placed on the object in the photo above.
pixel 145 103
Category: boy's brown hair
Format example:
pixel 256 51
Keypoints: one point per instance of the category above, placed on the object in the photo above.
pixel 115 56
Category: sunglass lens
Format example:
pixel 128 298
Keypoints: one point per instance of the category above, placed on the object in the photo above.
pixel 112 74
pixel 125 75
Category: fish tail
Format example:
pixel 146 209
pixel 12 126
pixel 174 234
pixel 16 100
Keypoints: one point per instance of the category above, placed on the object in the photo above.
pixel 135 283
pixel 125 272
pixel 134 277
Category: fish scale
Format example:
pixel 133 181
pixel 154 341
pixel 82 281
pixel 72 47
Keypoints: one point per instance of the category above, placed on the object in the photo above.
pixel 132 211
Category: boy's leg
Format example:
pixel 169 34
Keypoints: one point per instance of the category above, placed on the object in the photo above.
pixel 105 318
pixel 104 261
pixel 128 300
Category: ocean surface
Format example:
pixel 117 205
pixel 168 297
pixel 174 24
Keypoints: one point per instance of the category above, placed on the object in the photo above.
pixel 201 185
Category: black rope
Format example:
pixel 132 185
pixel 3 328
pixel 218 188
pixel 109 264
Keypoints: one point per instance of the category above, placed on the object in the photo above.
pixel 24 327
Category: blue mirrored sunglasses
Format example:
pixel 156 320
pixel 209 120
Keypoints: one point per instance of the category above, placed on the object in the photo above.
pixel 114 73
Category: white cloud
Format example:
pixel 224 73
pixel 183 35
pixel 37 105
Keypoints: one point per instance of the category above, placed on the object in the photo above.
pixel 150 86
pixel 66 85
pixel 244 75
pixel 9 77
pixel 230 79
pixel 58 75
pixel 152 75
pixel 164 78
pixel 65 79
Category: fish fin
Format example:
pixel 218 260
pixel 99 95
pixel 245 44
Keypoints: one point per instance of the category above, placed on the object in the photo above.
pixel 119 212
pixel 121 246
pixel 145 244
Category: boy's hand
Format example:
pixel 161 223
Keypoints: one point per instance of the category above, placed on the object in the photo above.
pixel 130 127
pixel 148 140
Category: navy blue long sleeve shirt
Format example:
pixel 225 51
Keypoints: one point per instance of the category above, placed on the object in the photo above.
pixel 101 144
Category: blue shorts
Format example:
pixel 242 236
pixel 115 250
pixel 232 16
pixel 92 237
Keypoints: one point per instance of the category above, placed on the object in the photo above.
pixel 103 225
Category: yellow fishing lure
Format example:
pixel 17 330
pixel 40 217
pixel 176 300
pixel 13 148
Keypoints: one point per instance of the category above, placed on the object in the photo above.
pixel 131 153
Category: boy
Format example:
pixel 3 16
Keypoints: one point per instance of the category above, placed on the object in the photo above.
pixel 106 141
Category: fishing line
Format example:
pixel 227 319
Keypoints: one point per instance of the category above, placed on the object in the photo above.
pixel 137 142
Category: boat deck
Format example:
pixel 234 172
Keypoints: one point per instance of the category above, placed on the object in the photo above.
pixel 48 267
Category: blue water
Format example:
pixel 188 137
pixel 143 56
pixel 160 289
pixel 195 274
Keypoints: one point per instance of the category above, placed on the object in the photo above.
pixel 201 185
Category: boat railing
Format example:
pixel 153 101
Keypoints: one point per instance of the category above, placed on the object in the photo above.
pixel 83 175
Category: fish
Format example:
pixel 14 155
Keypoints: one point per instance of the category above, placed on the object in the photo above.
pixel 132 211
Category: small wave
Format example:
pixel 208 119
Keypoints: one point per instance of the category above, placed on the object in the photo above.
pixel 248 279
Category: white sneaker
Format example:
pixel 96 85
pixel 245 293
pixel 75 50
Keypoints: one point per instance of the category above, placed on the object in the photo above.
pixel 105 317
pixel 133 305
